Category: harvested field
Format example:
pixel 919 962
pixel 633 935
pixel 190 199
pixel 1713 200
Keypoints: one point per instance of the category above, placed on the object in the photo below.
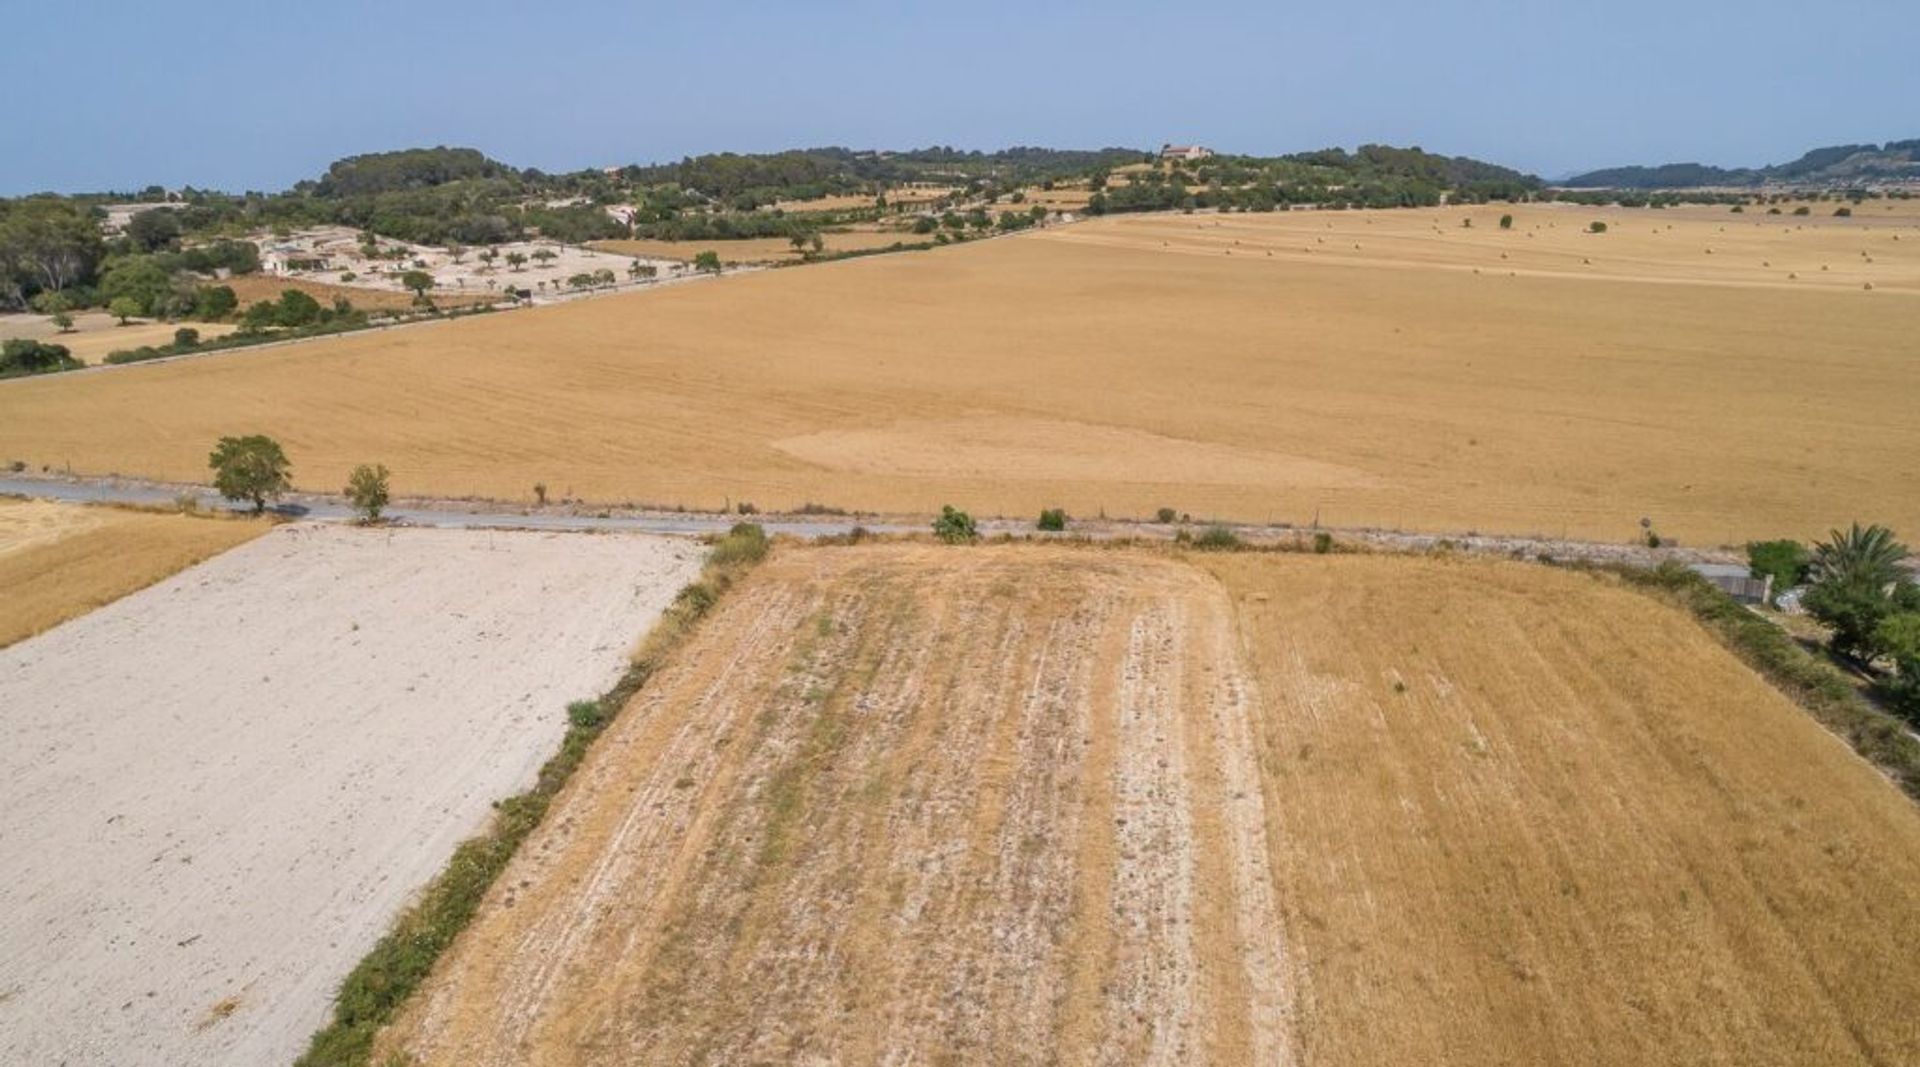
pixel 251 288
pixel 899 806
pixel 755 249
pixel 1035 805
pixel 1523 817
pixel 221 789
pixel 1123 365
pixel 59 561
pixel 97 333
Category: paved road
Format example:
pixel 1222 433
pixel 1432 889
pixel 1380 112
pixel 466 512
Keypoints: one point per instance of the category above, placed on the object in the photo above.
pixel 320 509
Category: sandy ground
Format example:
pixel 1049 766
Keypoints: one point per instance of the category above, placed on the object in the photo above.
pixel 58 561
pixel 906 804
pixel 222 788
pixel 96 333
pixel 1126 364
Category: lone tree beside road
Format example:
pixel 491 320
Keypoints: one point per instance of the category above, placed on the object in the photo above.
pixel 250 468
pixel 367 490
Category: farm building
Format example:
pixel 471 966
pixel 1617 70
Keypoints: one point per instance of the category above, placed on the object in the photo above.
pixel 287 259
pixel 1736 581
pixel 1183 152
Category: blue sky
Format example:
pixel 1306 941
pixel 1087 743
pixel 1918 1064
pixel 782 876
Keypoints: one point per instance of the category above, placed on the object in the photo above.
pixel 259 95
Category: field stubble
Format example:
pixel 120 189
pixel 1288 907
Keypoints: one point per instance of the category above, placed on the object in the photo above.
pixel 1124 365
pixel 1042 804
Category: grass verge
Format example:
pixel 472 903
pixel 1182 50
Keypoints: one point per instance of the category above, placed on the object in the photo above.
pixel 376 988
pixel 1822 690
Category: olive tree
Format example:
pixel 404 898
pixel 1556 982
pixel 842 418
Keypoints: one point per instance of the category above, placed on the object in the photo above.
pixel 250 468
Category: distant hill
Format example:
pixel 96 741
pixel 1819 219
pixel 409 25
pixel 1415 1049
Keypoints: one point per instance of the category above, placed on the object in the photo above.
pixel 1837 164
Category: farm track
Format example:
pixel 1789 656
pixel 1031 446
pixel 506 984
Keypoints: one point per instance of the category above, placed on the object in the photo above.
pixel 1037 804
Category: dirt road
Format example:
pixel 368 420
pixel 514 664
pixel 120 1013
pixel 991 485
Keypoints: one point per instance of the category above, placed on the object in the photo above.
pixel 220 789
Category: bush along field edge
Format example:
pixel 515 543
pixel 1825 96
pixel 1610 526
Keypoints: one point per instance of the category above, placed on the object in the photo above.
pixel 376 988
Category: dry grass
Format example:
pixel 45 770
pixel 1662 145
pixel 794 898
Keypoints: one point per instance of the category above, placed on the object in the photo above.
pixel 96 334
pixel 1124 365
pixel 59 561
pixel 1037 805
pixel 754 249
pixel 1524 817
pixel 251 288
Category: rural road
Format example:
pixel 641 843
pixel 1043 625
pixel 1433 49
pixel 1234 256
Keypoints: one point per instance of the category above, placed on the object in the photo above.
pixel 323 509
pixel 454 514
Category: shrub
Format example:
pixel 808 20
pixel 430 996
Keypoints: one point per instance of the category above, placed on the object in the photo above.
pixel 186 337
pixel 745 507
pixel 1322 543
pixel 955 526
pixel 1596 227
pixel 745 543
pixel 1786 561
pixel 707 262
pixel 1898 638
pixel 1053 520
pixel 21 355
pixel 367 490
pixel 1217 538
pixel 1506 222
pixel 1165 516
pixel 585 714
pixel 1843 212
pixel 1803 210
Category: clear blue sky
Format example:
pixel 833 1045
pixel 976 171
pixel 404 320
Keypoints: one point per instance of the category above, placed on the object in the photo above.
pixel 258 95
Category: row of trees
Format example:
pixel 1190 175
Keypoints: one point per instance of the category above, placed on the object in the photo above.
pixel 254 469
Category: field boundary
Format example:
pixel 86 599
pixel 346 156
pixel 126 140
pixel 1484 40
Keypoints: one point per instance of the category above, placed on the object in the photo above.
pixel 400 961
pixel 1817 687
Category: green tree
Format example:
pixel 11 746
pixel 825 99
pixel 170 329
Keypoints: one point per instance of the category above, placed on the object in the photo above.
pixel 419 281
pixel 1053 520
pixel 1858 581
pixel 367 490
pixel 186 337
pixel 708 261
pixel 62 321
pixel 544 255
pixel 516 260
pixel 1506 222
pixel 124 308
pixel 296 309
pixel 212 303
pixel 252 467
pixel 1596 227
pixel 154 229
pixel 955 526
pixel 1898 638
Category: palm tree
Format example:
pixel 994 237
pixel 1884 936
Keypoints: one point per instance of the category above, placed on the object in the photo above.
pixel 1860 557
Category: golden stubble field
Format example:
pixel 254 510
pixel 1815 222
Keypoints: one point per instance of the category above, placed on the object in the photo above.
pixel 1043 805
pixel 1131 363
pixel 58 561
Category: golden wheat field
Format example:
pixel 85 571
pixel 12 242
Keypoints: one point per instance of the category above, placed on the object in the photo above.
pixel 1030 804
pixel 58 561
pixel 1131 363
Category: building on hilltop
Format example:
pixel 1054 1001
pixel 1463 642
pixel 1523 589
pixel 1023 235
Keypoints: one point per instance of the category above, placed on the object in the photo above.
pixel 1183 152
